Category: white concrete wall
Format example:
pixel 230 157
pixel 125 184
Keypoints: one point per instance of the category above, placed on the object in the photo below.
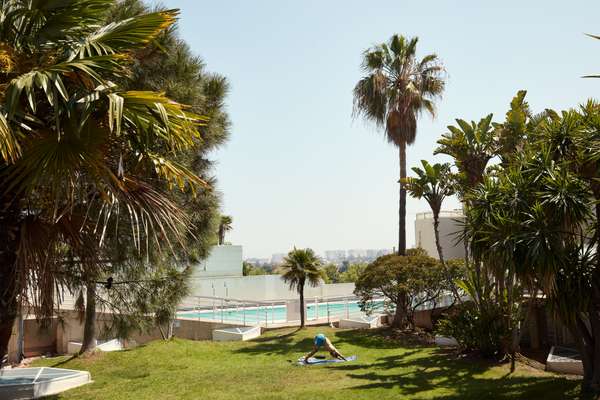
pixel 449 226
pixel 225 260
pixel 261 288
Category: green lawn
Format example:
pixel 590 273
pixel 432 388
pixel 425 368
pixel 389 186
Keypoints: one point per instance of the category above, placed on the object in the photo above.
pixel 266 369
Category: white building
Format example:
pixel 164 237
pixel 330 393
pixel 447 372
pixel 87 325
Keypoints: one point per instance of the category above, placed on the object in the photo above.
pixel 221 275
pixel 450 229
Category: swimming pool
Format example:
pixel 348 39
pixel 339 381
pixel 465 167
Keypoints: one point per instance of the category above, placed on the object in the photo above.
pixel 278 313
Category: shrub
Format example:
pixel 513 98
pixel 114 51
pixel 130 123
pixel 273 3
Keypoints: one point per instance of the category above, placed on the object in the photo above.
pixel 475 328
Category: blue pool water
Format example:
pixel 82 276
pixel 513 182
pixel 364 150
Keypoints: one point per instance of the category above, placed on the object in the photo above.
pixel 276 313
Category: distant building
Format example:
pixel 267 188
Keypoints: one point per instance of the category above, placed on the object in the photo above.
pixel 277 258
pixel 258 261
pixel 372 253
pixel 335 255
pixel 449 228
pixel 357 253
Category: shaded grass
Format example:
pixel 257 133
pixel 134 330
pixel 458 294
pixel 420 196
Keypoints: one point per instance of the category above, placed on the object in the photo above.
pixel 266 369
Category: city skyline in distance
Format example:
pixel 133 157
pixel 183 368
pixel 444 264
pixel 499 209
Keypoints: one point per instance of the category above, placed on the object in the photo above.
pixel 337 255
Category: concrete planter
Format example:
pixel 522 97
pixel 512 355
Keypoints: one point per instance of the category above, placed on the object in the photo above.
pixel 361 322
pixel 34 383
pixel 445 341
pixel 108 345
pixel 564 360
pixel 236 334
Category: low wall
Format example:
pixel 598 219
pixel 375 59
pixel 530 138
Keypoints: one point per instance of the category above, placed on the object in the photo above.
pixel 54 338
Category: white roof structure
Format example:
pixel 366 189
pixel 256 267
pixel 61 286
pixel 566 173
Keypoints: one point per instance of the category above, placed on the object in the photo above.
pixel 33 383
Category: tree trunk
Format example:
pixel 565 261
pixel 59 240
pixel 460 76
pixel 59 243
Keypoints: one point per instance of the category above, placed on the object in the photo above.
pixel 89 328
pixel 8 303
pixel 221 235
pixel 401 315
pixel 594 318
pixel 402 205
pixel 9 290
pixel 594 312
pixel 586 349
pixel 301 291
pixel 438 245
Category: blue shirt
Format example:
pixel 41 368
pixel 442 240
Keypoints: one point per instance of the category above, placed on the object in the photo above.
pixel 319 340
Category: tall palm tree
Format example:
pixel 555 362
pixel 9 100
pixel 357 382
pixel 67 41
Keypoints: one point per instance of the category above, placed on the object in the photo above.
pixel 396 89
pixel 80 156
pixel 434 183
pixel 225 225
pixel 301 267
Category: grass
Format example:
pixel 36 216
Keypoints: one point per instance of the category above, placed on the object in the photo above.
pixel 266 369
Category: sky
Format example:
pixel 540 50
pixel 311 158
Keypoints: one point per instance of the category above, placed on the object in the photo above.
pixel 298 170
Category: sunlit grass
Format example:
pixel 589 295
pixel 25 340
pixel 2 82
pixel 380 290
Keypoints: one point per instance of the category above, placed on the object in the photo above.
pixel 266 369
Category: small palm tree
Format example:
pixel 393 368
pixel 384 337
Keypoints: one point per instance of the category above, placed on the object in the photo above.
pixel 472 145
pixel 396 90
pixel 301 266
pixel 434 183
pixel 224 226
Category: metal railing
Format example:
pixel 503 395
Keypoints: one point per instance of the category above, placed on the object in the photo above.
pixel 273 312
pixel 443 214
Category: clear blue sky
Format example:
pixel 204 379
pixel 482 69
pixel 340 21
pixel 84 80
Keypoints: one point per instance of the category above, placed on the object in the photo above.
pixel 297 170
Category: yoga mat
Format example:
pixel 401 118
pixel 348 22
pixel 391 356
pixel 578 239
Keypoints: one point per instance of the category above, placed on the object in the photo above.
pixel 316 361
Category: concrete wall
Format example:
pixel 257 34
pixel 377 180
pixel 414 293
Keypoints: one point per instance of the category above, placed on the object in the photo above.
pixel 261 288
pixel 449 226
pixel 55 338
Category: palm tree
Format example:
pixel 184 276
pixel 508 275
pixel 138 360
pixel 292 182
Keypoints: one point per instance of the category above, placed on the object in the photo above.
pixel 225 225
pixel 434 184
pixel 472 145
pixel 301 266
pixel 396 89
pixel 80 156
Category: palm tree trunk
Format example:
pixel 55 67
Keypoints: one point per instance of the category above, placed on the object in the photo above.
pixel 89 327
pixel 438 245
pixel 301 291
pixel 594 310
pixel 8 301
pixel 402 205
pixel 221 234
pixel 9 289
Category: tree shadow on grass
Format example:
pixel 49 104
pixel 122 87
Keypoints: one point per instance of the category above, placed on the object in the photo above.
pixel 278 345
pixel 382 338
pixel 414 375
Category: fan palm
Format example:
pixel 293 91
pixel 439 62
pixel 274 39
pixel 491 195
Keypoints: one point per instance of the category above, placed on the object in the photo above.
pixel 434 183
pixel 301 267
pixel 397 88
pixel 79 155
pixel 224 227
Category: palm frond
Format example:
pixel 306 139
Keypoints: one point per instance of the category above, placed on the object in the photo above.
pixel 125 35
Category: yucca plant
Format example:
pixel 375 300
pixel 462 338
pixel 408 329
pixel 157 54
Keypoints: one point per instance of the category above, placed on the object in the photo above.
pixel 79 155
